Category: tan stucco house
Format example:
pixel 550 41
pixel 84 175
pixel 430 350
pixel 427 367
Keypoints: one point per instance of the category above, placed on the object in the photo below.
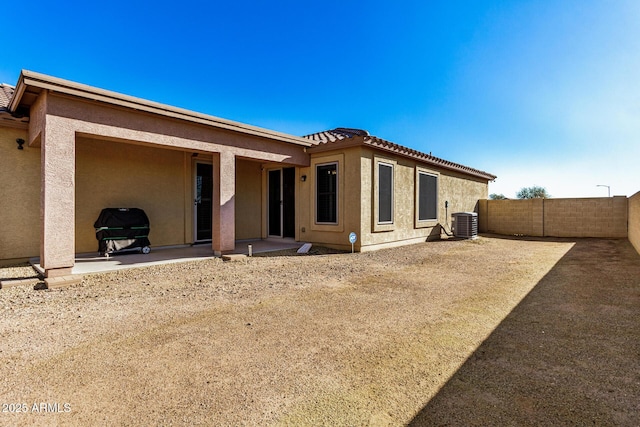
pixel 68 150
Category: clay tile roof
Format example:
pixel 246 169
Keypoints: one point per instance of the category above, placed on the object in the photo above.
pixel 6 118
pixel 6 92
pixel 336 134
pixel 340 136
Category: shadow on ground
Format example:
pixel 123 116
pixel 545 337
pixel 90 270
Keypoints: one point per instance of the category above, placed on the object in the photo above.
pixel 315 250
pixel 568 354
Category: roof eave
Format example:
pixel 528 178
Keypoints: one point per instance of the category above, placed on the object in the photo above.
pixel 45 82
pixel 17 94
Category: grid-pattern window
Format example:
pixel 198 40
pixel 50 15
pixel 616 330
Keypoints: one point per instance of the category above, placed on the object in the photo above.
pixel 385 193
pixel 427 197
pixel 327 193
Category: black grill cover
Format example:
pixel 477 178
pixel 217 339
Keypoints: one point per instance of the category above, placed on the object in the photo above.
pixel 121 217
pixel 122 228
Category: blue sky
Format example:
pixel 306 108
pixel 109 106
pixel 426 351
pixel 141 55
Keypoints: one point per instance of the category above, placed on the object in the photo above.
pixel 537 92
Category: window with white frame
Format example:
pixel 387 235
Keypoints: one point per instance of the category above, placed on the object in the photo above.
pixel 385 193
pixel 427 196
pixel 327 193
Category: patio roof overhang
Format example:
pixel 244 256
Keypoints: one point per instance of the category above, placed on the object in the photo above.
pixel 31 84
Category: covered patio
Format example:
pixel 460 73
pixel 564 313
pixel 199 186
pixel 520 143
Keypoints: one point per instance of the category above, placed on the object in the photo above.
pixel 103 149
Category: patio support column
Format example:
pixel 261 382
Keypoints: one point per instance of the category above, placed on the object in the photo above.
pixel 57 197
pixel 224 212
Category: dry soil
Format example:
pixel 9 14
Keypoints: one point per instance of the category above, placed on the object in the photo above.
pixel 488 332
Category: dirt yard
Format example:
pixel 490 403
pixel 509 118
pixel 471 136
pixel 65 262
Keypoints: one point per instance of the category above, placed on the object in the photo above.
pixel 487 332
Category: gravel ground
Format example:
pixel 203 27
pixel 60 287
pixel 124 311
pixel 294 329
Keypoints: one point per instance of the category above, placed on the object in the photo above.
pixel 486 332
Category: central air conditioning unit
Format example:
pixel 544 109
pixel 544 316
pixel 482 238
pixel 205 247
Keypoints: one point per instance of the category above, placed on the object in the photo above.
pixel 465 225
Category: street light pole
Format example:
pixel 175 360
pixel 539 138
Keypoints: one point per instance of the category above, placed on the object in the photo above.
pixel 608 189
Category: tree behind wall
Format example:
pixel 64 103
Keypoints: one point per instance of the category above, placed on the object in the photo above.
pixel 534 192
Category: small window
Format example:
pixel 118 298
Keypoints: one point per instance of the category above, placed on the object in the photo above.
pixel 385 193
pixel 427 197
pixel 327 193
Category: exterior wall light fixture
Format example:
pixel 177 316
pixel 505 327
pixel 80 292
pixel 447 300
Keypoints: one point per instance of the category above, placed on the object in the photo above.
pixel 20 142
pixel 303 178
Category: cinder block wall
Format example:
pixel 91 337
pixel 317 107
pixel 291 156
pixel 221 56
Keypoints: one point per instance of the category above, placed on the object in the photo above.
pixel 592 217
pixel 513 217
pixel 582 217
pixel 634 220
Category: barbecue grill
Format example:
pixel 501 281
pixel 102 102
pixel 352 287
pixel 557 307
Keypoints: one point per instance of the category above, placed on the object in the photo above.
pixel 122 229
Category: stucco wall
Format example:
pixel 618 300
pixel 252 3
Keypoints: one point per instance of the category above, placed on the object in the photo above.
pixel 105 122
pixel 248 199
pixel 459 190
pixel 19 197
pixel 634 220
pixel 348 200
pixel 358 200
pixel 579 217
pixel 403 202
pixel 462 193
pixel 110 174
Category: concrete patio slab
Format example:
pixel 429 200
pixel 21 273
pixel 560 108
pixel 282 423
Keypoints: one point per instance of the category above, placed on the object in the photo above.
pixel 93 263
